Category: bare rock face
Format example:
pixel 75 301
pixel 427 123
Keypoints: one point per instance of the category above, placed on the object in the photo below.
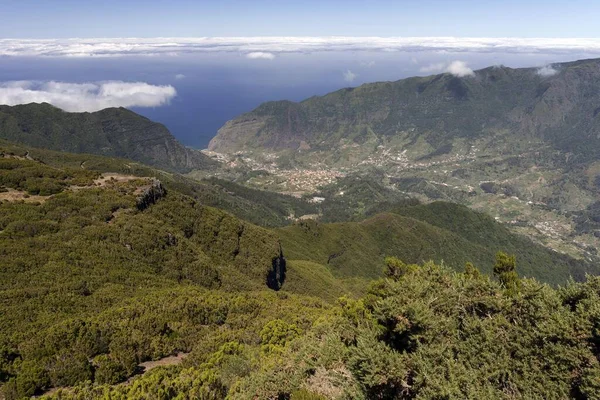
pixel 151 194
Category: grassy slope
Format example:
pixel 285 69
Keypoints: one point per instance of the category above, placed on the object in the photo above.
pixel 358 248
pixel 256 206
pixel 481 229
pixel 313 279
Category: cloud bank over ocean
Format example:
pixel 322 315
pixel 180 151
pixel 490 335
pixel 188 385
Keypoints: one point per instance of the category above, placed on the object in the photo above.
pixel 207 81
pixel 268 47
pixel 79 97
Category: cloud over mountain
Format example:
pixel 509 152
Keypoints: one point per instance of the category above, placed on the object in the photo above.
pixel 456 68
pixel 78 97
pixel 459 68
pixel 269 47
pixel 547 70
pixel 349 76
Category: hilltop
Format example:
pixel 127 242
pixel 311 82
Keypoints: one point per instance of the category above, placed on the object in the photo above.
pixel 113 132
pixel 441 232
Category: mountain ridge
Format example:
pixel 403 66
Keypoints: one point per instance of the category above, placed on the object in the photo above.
pixel 116 132
pixel 94 286
pixel 438 106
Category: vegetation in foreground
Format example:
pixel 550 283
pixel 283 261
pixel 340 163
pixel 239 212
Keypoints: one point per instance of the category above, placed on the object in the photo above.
pixel 421 332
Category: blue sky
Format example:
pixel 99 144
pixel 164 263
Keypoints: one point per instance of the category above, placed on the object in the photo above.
pixel 176 18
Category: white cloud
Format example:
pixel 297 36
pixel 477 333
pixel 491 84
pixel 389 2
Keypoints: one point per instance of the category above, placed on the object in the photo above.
pixel 260 55
pixel 179 76
pixel 460 69
pixel 433 68
pixel 456 68
pixel 349 76
pixel 78 97
pixel 547 70
pixel 367 64
pixel 271 46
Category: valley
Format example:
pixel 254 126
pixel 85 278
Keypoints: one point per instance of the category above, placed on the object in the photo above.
pixel 488 141
pixel 514 189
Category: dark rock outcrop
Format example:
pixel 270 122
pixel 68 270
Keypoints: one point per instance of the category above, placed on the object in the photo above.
pixel 151 194
pixel 276 276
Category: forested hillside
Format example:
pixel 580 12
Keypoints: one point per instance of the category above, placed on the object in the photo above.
pixel 443 232
pixel 100 272
pixel 431 115
pixel 114 132
pixel 422 332
pixel 107 264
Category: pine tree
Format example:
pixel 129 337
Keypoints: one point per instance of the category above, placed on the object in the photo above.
pixel 505 269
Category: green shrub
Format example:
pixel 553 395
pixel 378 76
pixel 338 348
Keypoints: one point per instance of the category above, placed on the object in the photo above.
pixel 278 333
pixel 69 368
pixel 108 371
pixel 505 270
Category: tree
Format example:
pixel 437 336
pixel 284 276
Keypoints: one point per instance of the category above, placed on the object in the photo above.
pixel 472 271
pixel 505 269
pixel 395 268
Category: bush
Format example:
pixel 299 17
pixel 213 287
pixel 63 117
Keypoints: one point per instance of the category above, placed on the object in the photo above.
pixel 108 371
pixel 505 269
pixel 278 333
pixel 31 377
pixel 69 369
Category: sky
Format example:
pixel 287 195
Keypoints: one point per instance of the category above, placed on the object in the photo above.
pixel 193 18
pixel 193 65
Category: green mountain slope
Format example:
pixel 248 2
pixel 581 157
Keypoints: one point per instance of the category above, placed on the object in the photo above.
pixel 259 207
pixel 441 232
pixel 560 110
pixel 516 144
pixel 115 132
pixel 102 271
pixel 104 267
